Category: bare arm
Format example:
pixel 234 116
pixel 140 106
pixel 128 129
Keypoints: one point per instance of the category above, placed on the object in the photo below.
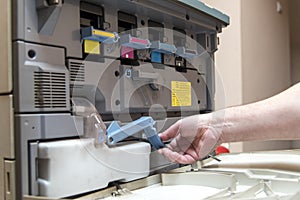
pixel 276 118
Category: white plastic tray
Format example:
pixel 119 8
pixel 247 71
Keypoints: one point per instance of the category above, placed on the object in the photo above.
pixel 264 176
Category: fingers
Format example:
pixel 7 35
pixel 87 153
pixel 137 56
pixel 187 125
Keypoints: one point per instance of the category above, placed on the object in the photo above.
pixel 176 157
pixel 191 140
pixel 181 144
pixel 171 132
pixel 181 150
pixel 207 143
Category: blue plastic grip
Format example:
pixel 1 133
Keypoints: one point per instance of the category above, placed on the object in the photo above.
pixel 115 133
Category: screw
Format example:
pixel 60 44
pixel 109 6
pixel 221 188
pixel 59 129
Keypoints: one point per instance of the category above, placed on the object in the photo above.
pixel 53 2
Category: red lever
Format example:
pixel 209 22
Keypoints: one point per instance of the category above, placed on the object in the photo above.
pixel 221 149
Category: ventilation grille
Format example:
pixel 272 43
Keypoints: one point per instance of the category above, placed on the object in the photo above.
pixel 77 72
pixel 50 90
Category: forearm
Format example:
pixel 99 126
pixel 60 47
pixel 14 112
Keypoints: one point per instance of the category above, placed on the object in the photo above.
pixel 276 118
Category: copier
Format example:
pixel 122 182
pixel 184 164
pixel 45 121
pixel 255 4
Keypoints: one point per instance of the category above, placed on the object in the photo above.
pixel 80 66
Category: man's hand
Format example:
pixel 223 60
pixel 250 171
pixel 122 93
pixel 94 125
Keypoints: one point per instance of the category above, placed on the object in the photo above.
pixel 192 138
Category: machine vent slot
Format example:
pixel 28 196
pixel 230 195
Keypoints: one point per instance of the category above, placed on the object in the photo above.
pixel 50 90
pixel 77 72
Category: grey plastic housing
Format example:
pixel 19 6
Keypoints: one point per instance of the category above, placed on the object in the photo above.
pixel 50 68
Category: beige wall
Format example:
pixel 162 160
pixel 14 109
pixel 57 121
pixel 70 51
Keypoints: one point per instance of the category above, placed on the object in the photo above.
pixel 295 46
pixel 266 51
pixel 254 57
pixel 295 39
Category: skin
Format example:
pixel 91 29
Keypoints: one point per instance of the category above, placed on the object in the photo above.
pixel 275 118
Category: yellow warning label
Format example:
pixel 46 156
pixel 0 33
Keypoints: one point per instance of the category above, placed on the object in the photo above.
pixel 91 46
pixel 181 93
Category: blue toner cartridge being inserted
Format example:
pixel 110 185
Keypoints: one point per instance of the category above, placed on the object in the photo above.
pixel 115 133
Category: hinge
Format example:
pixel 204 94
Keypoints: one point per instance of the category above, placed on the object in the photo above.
pixel 120 191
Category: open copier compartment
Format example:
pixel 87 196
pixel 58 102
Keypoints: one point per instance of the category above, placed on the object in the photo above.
pixel 79 65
